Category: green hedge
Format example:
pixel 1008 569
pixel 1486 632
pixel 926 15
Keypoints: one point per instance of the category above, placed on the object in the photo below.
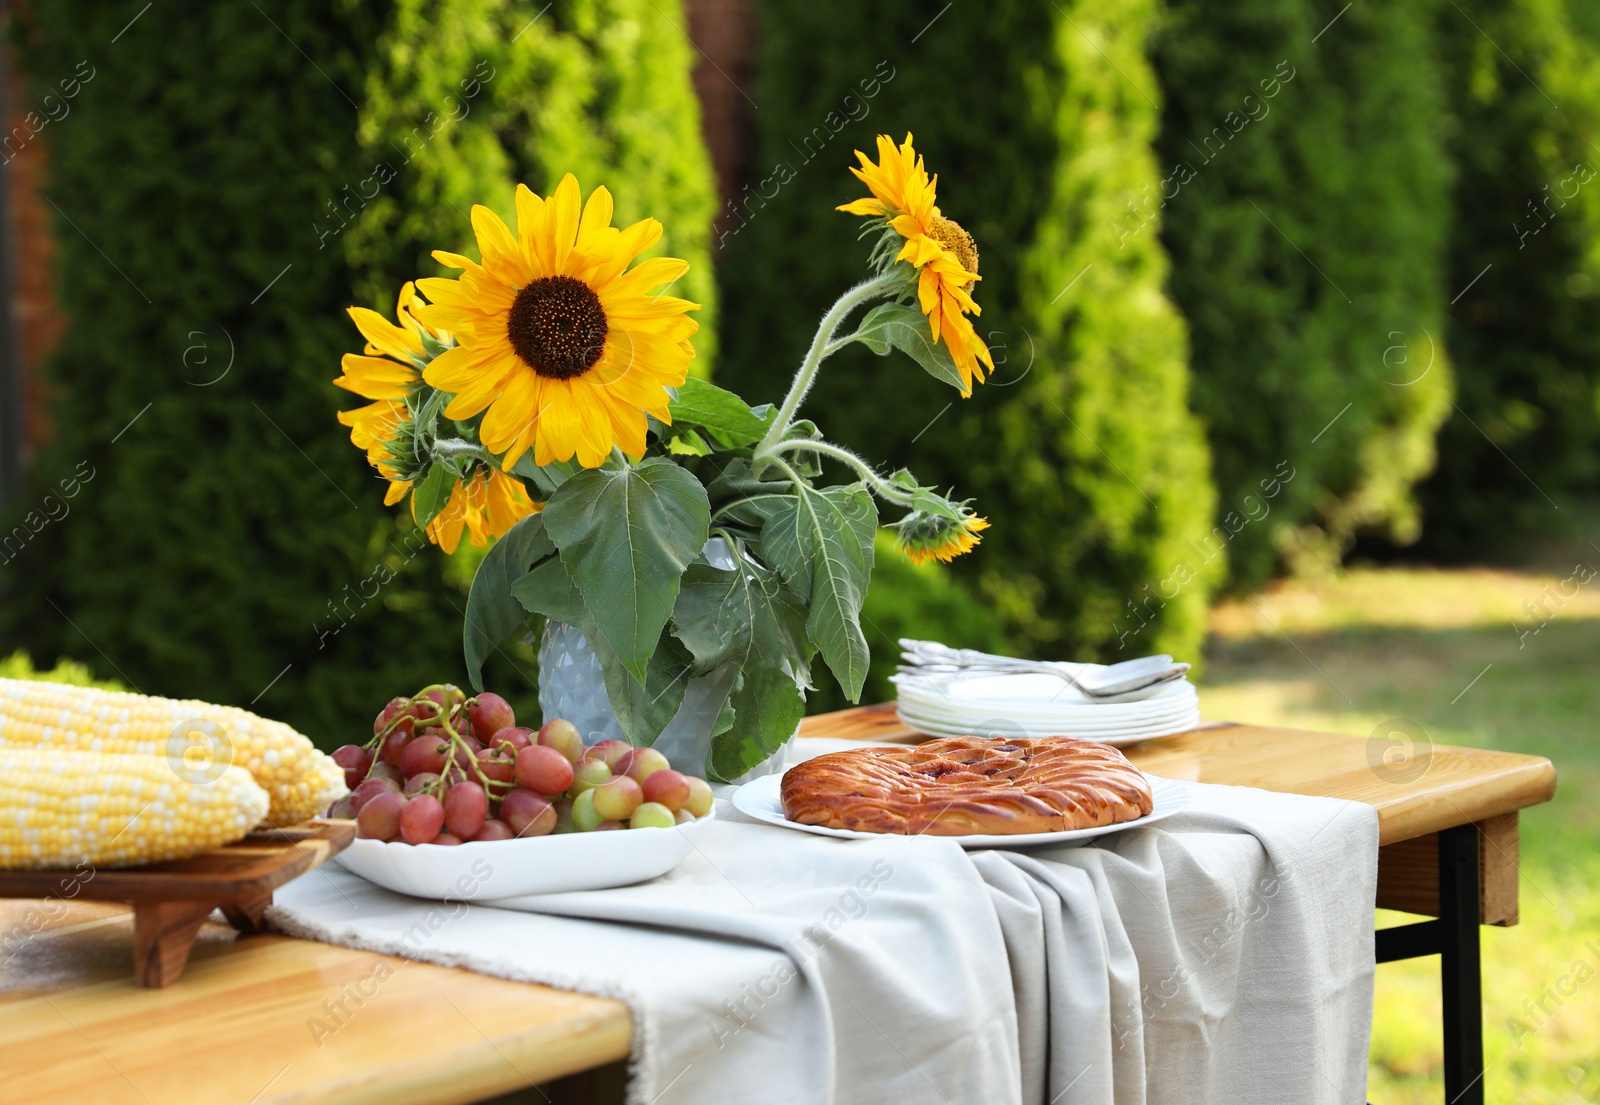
pixel 1305 206
pixel 222 539
pixel 1081 450
pixel 1524 100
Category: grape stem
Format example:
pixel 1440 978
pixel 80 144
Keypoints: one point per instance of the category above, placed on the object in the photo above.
pixel 441 718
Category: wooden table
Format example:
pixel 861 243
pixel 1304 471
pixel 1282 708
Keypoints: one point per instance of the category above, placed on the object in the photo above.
pixel 269 1020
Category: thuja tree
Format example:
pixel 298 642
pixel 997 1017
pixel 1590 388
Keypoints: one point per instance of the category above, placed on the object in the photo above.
pixel 1524 100
pixel 226 184
pixel 1081 448
pixel 465 99
pixel 1303 200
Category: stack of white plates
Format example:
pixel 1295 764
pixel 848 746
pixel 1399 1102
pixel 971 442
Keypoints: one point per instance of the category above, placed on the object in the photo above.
pixel 1039 705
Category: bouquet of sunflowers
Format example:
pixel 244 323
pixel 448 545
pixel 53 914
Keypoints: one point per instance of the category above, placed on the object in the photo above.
pixel 543 398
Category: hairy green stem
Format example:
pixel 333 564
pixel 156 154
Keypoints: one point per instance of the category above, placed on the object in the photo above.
pixel 880 486
pixel 820 348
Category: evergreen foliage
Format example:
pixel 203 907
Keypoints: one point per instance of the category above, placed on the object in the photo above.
pixel 1304 204
pixel 1523 89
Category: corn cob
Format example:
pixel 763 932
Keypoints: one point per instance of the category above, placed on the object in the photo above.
pixel 60 809
pixel 299 780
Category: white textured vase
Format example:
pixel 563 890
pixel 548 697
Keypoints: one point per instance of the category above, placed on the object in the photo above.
pixel 572 686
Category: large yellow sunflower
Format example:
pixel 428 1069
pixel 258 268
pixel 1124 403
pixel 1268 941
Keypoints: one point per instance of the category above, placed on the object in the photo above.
pixel 563 348
pixel 487 504
pixel 944 254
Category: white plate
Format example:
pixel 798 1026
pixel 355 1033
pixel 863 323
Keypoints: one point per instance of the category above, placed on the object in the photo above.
pixel 491 869
pixel 1074 722
pixel 1116 734
pixel 760 799
pixel 1035 695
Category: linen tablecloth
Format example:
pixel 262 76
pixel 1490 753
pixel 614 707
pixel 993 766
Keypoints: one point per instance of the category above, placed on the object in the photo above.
pixel 1224 955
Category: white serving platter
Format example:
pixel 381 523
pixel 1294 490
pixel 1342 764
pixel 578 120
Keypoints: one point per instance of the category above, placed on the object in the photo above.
pixel 760 799
pixel 492 869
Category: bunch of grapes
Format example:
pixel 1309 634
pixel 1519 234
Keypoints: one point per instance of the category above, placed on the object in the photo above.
pixel 442 768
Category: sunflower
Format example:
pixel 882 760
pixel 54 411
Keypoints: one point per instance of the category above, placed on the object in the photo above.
pixel 560 348
pixel 486 504
pixel 942 252
pixel 386 371
pixel 925 537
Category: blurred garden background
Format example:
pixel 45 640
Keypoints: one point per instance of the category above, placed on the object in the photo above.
pixel 1295 309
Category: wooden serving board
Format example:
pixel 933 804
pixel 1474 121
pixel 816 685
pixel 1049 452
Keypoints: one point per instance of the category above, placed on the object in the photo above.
pixel 172 900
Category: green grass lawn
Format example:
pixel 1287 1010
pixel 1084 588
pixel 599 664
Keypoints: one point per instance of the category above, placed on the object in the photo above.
pixel 1454 651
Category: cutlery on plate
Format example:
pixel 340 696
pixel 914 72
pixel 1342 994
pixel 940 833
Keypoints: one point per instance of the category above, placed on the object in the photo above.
pixel 1126 681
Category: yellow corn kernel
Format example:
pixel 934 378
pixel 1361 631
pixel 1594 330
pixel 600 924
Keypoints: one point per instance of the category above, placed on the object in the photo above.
pixel 199 736
pixel 61 809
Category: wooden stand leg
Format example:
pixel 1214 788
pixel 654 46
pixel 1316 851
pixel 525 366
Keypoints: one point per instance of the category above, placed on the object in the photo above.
pixel 248 917
pixel 163 933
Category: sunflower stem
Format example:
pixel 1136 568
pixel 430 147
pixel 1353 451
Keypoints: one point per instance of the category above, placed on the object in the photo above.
pixel 880 486
pixel 819 350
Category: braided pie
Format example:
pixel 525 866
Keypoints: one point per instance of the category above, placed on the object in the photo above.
pixel 956 786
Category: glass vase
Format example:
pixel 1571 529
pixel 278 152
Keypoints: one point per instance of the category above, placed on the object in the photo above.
pixel 572 686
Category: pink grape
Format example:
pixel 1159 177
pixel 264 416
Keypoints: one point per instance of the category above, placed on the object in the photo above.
pixel 517 737
pixel 527 813
pixel 699 800
pixel 489 714
pixel 605 825
pixel 641 763
pixel 543 770
pixel 589 774
pixel 652 815
pixel 449 839
pixel 584 815
pixel 608 752
pixel 426 753
pixel 667 788
pixel 563 737
pixel 421 819
pixel 393 745
pixel 381 770
pixel 466 807
pixel 497 765
pixel 387 714
pixel 683 817
pixel 564 817
pixel 355 760
pixel 379 818
pixel 420 782
pixel 370 789
pixel 494 829
pixel 617 798
pixel 343 809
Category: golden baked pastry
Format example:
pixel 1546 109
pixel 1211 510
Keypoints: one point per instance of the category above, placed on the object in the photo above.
pixel 956 786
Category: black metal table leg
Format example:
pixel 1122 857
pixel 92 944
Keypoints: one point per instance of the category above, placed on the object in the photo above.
pixel 1459 971
pixel 1454 938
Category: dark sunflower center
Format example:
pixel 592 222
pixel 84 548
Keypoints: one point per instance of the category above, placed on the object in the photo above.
pixel 558 327
pixel 954 237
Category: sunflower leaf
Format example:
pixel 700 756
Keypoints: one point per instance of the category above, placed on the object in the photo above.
pixel 895 326
pixel 767 706
pixel 723 414
pixel 432 495
pixel 626 535
pixel 821 543
pixel 545 477
pixel 491 613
